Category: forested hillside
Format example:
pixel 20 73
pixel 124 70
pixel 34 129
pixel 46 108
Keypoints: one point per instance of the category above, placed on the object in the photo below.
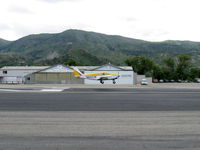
pixel 3 43
pixel 90 48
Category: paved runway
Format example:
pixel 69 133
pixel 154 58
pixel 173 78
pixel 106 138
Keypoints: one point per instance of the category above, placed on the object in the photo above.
pixel 100 119
pixel 132 130
pixel 102 100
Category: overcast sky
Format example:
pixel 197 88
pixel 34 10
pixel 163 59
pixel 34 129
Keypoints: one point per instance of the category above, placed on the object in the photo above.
pixel 152 20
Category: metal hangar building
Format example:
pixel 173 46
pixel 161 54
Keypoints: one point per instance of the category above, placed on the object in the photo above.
pixel 58 74
pixel 61 74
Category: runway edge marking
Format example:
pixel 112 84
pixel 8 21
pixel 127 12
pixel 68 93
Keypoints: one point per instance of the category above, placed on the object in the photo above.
pixel 34 90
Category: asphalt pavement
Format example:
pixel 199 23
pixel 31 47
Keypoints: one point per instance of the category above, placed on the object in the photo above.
pixel 100 118
pixel 133 130
pixel 90 99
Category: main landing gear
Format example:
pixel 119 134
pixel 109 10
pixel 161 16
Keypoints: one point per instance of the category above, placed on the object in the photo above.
pixel 101 81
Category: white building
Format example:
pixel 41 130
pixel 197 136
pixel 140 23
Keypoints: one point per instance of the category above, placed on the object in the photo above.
pixel 16 74
pixel 127 76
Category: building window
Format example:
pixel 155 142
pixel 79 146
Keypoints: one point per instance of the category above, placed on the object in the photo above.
pixel 29 78
pixel 5 72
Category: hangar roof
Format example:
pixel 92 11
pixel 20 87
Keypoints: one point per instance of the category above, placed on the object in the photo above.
pixel 61 68
pixel 24 67
pixel 105 67
pixel 108 67
pixel 57 68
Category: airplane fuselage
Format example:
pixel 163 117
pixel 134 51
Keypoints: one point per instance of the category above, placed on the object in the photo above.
pixel 105 77
pixel 101 76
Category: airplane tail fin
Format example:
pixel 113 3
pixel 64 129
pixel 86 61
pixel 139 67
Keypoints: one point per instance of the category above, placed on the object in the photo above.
pixel 77 72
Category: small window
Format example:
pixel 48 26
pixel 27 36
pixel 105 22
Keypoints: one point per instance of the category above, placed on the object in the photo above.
pixel 5 72
pixel 29 78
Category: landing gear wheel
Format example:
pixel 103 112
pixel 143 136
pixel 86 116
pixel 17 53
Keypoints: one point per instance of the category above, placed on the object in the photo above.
pixel 114 82
pixel 101 81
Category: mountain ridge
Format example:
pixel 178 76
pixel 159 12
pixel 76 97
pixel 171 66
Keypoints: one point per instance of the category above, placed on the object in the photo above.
pixel 3 42
pixel 38 48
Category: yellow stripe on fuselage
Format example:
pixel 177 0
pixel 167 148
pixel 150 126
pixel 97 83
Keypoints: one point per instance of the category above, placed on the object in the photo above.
pixel 99 74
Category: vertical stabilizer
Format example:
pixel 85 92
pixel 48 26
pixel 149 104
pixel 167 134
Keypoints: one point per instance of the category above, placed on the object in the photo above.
pixel 77 72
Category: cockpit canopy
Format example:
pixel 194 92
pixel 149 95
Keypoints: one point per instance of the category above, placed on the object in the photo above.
pixel 104 73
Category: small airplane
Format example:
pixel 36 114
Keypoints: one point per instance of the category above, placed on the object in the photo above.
pixel 101 76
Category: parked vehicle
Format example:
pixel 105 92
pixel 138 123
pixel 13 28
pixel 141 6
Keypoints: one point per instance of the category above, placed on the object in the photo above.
pixel 144 82
pixel 198 80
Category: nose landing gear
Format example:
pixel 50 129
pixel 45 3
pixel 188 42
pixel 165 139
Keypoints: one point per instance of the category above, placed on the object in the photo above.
pixel 114 81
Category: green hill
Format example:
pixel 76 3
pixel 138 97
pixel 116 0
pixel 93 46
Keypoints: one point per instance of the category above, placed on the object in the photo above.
pixel 3 43
pixel 90 48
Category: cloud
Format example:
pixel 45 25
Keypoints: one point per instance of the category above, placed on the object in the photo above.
pixel 4 27
pixel 19 9
pixel 154 34
pixel 56 1
pixel 144 19
pixel 129 19
pixel 18 30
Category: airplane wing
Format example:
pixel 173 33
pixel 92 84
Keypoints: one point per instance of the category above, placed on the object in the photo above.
pixel 102 78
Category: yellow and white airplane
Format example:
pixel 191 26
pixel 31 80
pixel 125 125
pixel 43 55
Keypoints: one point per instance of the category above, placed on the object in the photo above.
pixel 101 76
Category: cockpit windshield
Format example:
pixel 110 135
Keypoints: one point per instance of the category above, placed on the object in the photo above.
pixel 105 73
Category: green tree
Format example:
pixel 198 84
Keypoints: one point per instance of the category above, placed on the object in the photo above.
pixel 194 73
pixel 71 62
pixel 141 64
pixel 183 67
pixel 158 72
pixel 169 68
pixel 179 68
pixel 170 63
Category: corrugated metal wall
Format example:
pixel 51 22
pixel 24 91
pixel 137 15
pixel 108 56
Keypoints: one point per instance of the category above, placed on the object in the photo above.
pixel 53 78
